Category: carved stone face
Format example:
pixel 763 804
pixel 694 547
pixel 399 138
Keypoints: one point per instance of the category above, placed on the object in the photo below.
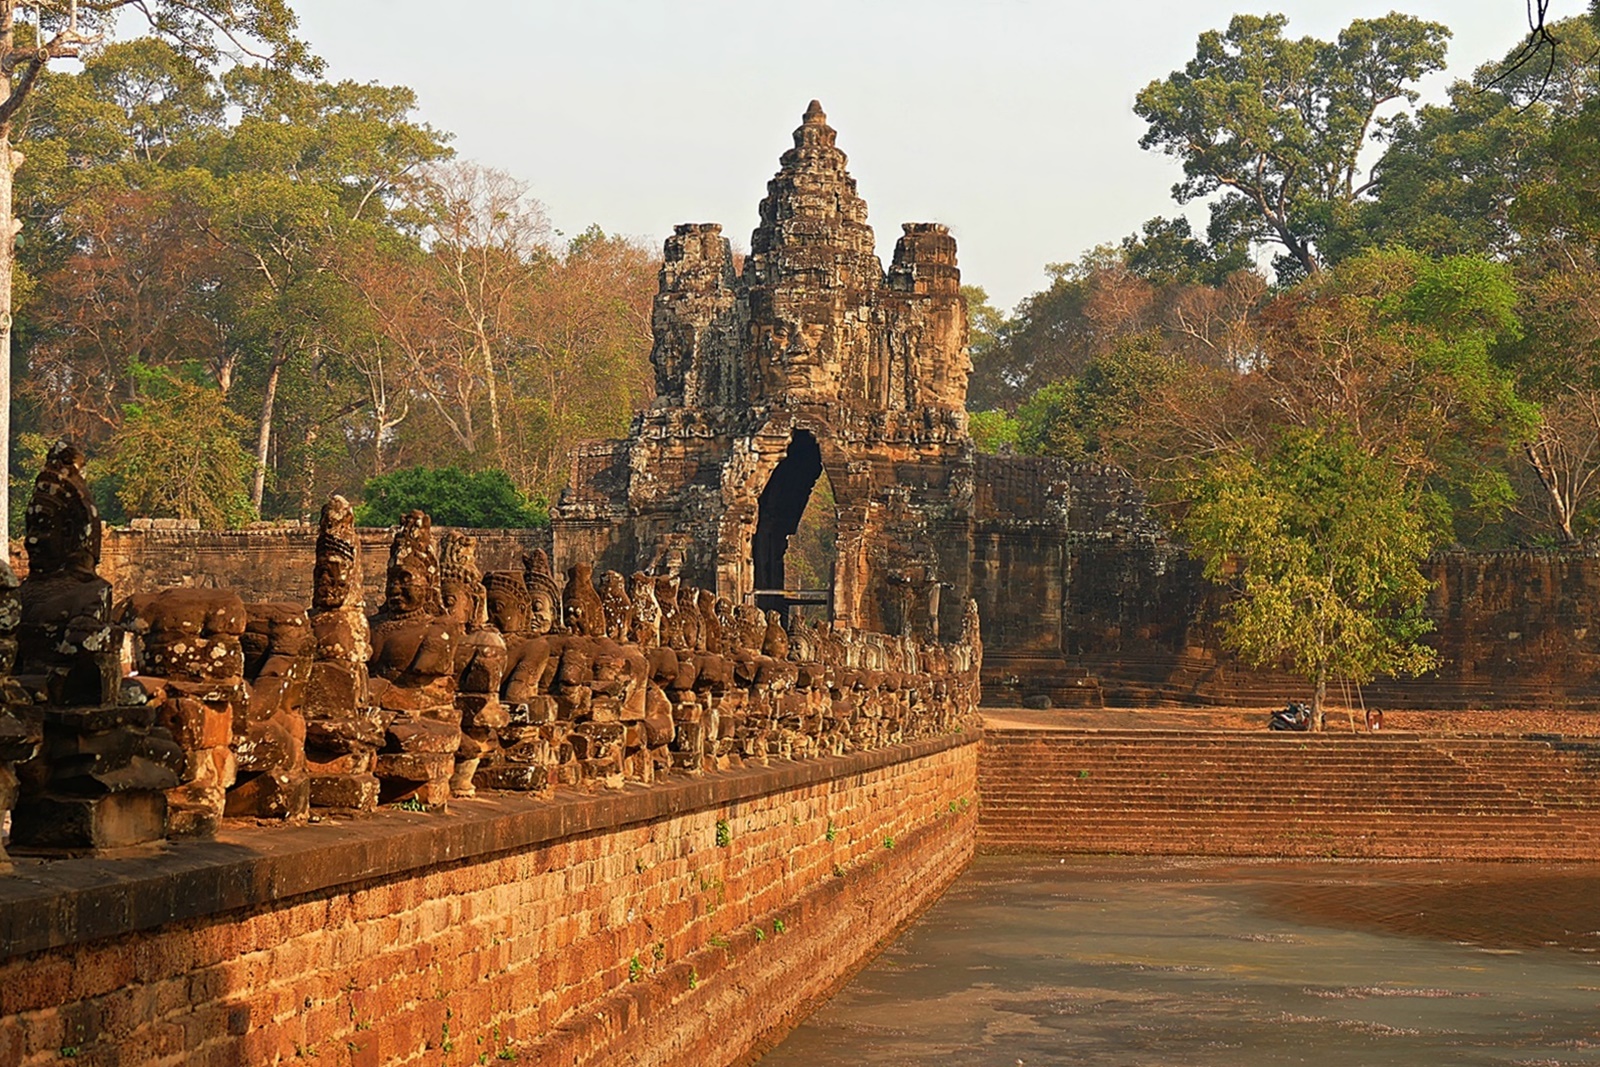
pixel 543 616
pixel 407 589
pixel 330 583
pixel 457 599
pixel 506 611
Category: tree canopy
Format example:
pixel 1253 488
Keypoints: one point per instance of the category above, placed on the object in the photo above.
pixel 1278 126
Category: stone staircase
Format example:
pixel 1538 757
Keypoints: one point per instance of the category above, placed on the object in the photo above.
pixel 1217 792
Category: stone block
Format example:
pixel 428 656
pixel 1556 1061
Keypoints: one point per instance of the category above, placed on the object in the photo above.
pixel 416 766
pixel 354 792
pixel 271 795
pixel 515 777
pixel 114 820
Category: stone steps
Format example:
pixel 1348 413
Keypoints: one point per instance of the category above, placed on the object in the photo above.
pixel 1175 791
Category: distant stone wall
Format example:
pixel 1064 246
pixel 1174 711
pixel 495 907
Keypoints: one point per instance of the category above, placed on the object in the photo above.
pixel 268 562
pixel 689 923
pixel 1086 600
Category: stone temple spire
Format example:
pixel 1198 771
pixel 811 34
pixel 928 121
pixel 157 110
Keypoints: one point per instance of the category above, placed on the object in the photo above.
pixel 813 223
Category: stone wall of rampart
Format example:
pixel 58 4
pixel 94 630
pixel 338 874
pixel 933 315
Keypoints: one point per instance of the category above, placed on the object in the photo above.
pixel 686 923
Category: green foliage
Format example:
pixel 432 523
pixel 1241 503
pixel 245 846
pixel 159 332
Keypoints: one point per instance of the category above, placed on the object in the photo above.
pixel 993 430
pixel 1167 252
pixel 452 497
pixel 1322 542
pixel 177 453
pixel 813 547
pixel 1071 417
pixel 1277 126
pixel 724 833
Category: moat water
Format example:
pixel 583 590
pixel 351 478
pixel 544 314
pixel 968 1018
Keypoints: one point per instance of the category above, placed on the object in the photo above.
pixel 1145 961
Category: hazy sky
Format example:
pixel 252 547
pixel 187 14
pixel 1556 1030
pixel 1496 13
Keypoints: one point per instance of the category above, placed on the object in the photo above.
pixel 1009 120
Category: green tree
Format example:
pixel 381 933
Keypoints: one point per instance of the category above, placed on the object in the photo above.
pixel 1074 418
pixel 481 500
pixel 1322 543
pixel 993 430
pixel 177 453
pixel 61 29
pixel 1277 126
pixel 1453 176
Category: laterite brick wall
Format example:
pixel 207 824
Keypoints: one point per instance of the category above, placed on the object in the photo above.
pixel 620 928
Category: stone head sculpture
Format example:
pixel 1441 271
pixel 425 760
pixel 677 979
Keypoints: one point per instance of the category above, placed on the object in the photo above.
pixel 507 601
pixel 544 592
pixel 336 582
pixel 461 590
pixel 412 589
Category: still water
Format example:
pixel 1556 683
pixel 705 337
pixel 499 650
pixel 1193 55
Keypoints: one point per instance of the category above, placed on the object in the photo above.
pixel 1198 962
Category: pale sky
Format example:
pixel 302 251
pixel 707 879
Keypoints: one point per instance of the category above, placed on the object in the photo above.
pixel 1009 120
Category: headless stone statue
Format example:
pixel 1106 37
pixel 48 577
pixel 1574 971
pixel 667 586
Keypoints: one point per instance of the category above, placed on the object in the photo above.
pixel 645 628
pixel 584 613
pixel 618 606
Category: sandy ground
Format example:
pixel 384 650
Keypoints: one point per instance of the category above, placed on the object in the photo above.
pixel 1459 723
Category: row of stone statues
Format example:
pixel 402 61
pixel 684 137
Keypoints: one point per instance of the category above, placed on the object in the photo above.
pixel 172 710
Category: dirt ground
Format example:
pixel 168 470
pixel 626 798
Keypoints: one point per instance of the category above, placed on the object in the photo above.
pixel 1457 723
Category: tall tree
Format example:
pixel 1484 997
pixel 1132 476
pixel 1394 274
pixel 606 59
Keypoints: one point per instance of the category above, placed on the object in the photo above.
pixel 1277 126
pixel 60 29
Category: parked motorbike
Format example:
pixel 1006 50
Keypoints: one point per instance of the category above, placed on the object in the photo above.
pixel 1296 716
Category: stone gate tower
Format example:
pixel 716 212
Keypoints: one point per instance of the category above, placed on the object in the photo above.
pixel 810 359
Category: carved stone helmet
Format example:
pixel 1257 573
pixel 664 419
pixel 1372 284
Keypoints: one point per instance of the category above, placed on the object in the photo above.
pixel 337 579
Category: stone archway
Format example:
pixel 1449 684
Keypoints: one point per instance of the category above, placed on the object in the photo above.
pixel 778 512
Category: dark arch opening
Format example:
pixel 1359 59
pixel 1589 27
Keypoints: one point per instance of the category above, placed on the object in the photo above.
pixel 783 501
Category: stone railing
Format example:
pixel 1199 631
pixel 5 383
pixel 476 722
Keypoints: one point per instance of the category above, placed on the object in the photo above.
pixel 170 711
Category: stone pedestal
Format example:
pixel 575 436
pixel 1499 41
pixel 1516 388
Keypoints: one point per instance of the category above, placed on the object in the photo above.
pixel 107 770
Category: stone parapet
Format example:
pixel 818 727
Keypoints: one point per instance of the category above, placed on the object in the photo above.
pixel 596 929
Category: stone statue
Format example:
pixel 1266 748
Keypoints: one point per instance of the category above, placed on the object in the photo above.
pixel 65 640
pixel 338 616
pixel 413 648
pixel 545 592
pixel 106 764
pixel 480 658
pixel 20 733
pixel 645 630
pixel 618 606
pixel 585 615
pixel 413 669
pixel 343 729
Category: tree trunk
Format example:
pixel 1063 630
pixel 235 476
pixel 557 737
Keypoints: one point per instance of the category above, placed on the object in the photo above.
pixel 1319 696
pixel 487 354
pixel 9 162
pixel 264 432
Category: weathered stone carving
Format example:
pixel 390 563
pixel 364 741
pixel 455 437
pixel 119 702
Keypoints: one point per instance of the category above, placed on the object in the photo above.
pixel 480 659
pixel 413 672
pixel 811 359
pixel 274 777
pixel 20 728
pixel 191 666
pixel 105 766
pixel 343 728
pixel 65 641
